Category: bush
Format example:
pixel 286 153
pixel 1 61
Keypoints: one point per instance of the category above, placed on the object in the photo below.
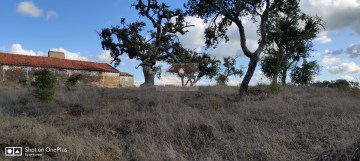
pixel 339 83
pixel 76 109
pixel 23 82
pixel 45 83
pixel 320 84
pixel 221 80
pixel 72 81
pixel 275 88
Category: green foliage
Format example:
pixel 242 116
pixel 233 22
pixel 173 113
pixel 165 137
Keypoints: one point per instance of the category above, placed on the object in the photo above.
pixel 339 83
pixel 304 75
pixel 323 84
pixel 228 70
pixel 290 37
pixel 222 14
pixel 157 44
pixel 206 65
pixel 274 87
pixel 268 65
pixel 354 84
pixel 45 83
pixel 72 81
pixel 221 79
pixel 23 100
pixel 262 85
pixel 23 82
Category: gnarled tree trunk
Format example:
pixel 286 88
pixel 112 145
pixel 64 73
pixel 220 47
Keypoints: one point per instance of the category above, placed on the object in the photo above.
pixel 149 75
pixel 249 73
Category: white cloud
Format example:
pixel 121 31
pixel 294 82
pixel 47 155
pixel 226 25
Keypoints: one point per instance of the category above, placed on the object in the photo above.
pixel 18 49
pixel 205 83
pixel 105 57
pixel 130 60
pixel 28 8
pixel 336 13
pixel 233 82
pixel 316 54
pixel 259 77
pixel 346 67
pixel 231 48
pixel 138 82
pixel 324 39
pixel 194 39
pixel 327 52
pixel 353 51
pixel 70 55
pixel 328 60
pixel 348 78
pixel 336 52
pixel 51 14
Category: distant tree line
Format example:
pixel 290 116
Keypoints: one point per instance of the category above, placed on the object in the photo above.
pixel 339 83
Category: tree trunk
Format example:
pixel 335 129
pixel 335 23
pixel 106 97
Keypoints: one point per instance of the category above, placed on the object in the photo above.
pixel 182 81
pixel 283 76
pixel 278 65
pixel 275 76
pixel 249 73
pixel 149 76
pixel 286 67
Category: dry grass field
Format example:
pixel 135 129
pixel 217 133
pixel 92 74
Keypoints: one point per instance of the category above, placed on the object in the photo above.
pixel 300 123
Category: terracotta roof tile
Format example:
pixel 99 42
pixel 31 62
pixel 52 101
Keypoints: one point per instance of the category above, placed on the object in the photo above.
pixel 38 61
pixel 125 74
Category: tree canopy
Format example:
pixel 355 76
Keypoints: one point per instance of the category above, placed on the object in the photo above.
pixel 290 37
pixel 221 14
pixel 228 70
pixel 205 65
pixel 304 75
pixel 156 44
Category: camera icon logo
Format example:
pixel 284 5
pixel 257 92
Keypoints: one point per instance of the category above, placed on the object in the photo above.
pixel 13 151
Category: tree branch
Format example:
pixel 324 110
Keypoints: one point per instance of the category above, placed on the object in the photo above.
pixel 264 19
pixel 244 47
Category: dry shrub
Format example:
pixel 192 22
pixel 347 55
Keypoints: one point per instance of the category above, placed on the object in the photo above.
pixel 209 124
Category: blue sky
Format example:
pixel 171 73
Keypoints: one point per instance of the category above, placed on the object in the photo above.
pixel 34 27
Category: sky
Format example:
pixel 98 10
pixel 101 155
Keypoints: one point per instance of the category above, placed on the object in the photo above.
pixel 37 26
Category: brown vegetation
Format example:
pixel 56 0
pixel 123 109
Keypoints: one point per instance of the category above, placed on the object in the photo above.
pixel 300 123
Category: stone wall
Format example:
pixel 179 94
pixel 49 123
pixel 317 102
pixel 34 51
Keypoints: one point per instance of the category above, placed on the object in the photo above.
pixel 126 81
pixel 110 80
pixel 100 79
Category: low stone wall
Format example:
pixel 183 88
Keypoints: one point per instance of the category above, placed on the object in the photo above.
pixel 100 79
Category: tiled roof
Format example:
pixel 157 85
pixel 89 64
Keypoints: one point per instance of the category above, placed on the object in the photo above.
pixel 125 74
pixel 38 61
